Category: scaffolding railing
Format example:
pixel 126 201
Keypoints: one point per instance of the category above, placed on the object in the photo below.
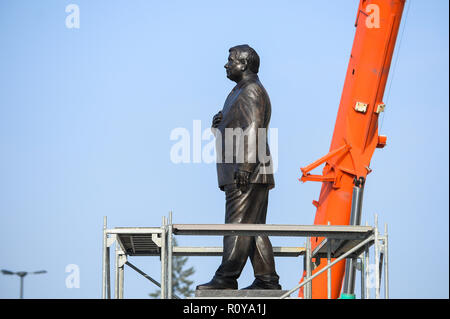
pixel 340 242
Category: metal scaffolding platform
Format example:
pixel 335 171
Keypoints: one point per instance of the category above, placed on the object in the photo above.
pixel 339 242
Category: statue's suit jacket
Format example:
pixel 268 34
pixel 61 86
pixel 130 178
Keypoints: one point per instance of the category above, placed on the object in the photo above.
pixel 248 108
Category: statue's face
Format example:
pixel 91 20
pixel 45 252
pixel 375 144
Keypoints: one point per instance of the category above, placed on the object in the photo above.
pixel 235 67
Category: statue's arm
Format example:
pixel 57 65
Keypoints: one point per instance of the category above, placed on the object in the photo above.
pixel 252 106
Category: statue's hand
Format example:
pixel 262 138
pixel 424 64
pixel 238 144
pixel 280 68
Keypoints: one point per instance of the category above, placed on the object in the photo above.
pixel 242 179
pixel 216 119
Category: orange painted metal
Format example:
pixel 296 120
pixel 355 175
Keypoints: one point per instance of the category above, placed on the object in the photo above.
pixel 355 134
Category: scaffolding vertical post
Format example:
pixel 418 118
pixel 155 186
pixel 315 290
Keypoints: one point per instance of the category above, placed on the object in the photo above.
pixel 106 292
pixel 104 260
pixel 362 270
pixel 163 259
pixel 108 273
pixel 308 268
pixel 330 242
pixel 169 256
pixel 367 268
pixel 386 272
pixel 119 278
pixel 121 275
pixel 377 260
pixel 116 277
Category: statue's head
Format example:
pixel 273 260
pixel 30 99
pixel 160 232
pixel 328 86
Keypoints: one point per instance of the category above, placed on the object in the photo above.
pixel 242 60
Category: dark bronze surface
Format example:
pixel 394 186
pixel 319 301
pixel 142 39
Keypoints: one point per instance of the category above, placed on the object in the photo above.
pixel 245 180
pixel 248 108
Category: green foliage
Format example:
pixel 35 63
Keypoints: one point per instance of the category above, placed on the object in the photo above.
pixel 180 277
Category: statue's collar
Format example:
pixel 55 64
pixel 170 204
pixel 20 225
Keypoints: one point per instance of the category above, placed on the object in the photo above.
pixel 250 78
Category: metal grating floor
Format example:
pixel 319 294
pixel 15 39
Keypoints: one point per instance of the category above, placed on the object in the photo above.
pixel 145 245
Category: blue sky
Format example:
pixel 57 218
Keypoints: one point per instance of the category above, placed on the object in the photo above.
pixel 86 116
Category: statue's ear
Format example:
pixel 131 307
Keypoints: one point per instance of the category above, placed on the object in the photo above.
pixel 244 65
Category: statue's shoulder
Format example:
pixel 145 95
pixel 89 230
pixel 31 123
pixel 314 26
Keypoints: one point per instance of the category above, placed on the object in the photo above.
pixel 254 87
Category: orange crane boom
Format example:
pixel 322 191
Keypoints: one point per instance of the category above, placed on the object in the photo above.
pixel 355 135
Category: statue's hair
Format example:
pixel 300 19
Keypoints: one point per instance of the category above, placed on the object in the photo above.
pixel 252 57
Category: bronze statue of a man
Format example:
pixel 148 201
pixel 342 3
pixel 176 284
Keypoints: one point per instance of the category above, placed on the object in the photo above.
pixel 245 175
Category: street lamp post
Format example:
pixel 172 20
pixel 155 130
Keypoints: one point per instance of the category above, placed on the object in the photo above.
pixel 22 275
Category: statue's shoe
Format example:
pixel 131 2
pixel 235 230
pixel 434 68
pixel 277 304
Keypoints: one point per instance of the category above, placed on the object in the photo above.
pixel 219 283
pixel 262 285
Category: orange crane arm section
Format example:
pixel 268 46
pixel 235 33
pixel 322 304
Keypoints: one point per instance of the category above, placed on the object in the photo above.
pixel 355 135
